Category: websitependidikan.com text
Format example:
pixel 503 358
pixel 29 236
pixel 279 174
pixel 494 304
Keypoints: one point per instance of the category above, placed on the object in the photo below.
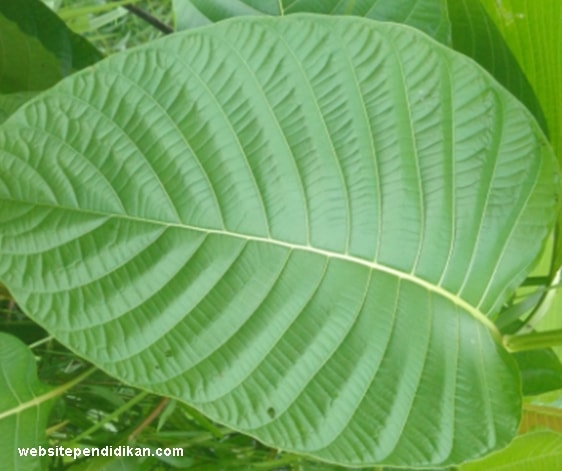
pixel 119 451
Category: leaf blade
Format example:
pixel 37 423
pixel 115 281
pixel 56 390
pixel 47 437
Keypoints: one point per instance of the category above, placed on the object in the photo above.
pixel 235 205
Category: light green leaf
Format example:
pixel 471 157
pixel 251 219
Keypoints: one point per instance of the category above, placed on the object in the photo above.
pixel 37 48
pixel 23 413
pixel 430 16
pixel 532 30
pixel 475 34
pixel 539 451
pixel 300 226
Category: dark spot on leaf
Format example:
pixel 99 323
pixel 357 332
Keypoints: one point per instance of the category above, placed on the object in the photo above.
pixel 271 412
pixel 168 353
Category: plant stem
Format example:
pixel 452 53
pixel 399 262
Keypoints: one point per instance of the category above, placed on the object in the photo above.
pixel 40 342
pixel 146 422
pixel 275 464
pixel 151 20
pixel 116 413
pixel 47 396
pixel 533 341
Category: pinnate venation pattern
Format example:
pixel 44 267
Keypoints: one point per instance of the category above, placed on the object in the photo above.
pixel 300 226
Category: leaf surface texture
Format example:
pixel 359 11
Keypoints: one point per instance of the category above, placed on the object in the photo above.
pixel 301 226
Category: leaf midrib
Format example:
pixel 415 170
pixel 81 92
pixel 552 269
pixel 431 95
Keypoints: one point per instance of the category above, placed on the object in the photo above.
pixel 437 289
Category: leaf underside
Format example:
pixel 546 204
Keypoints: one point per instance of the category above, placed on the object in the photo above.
pixel 300 226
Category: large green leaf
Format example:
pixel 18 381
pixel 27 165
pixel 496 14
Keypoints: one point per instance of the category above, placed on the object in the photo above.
pixel 429 16
pixel 24 406
pixel 300 226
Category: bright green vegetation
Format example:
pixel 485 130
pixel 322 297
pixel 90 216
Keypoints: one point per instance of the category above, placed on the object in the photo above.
pixel 286 227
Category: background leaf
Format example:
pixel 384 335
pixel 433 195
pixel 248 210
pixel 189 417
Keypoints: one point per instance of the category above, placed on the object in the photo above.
pixel 258 226
pixel 541 371
pixel 38 49
pixel 430 16
pixel 475 34
pixel 538 451
pixel 23 413
pixel 532 31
